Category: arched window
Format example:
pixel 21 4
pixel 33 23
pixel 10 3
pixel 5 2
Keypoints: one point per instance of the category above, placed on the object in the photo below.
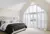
pixel 35 17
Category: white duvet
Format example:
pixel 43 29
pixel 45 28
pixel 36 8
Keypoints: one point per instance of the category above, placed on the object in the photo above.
pixel 3 26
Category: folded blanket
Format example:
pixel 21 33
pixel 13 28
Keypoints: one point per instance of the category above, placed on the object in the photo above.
pixel 3 26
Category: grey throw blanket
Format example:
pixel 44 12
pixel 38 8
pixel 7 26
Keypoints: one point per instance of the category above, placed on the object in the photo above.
pixel 14 27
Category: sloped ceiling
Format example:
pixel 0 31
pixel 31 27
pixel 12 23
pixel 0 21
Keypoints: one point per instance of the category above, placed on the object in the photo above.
pixel 9 3
pixel 48 1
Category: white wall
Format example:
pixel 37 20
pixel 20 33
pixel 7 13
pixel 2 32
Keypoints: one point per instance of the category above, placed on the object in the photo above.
pixel 9 3
pixel 9 13
pixel 12 11
pixel 43 5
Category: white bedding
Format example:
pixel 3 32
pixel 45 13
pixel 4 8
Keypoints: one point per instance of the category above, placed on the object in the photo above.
pixel 3 26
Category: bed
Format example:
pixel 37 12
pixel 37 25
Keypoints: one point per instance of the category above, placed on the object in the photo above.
pixel 15 28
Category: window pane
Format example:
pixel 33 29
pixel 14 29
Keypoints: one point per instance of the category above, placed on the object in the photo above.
pixel 31 10
pixel 38 9
pixel 34 8
pixel 35 17
pixel 39 20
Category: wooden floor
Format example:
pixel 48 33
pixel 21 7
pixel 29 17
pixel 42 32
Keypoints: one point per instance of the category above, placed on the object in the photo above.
pixel 2 33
